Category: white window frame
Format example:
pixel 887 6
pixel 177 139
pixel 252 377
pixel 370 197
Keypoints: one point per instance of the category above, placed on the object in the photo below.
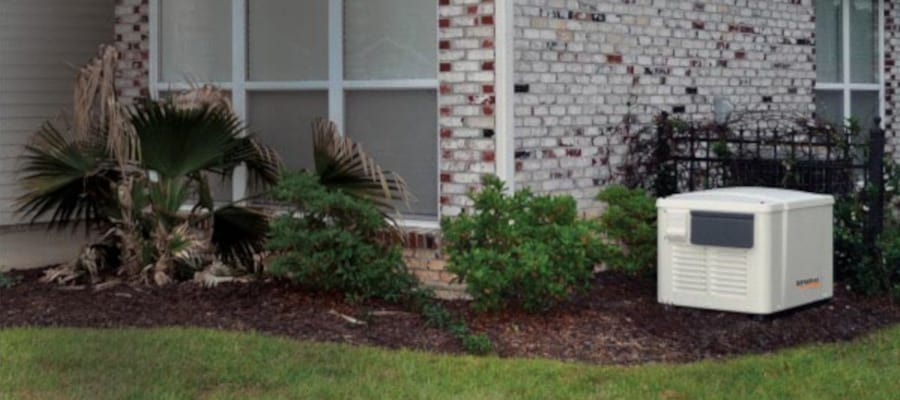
pixel 847 87
pixel 336 86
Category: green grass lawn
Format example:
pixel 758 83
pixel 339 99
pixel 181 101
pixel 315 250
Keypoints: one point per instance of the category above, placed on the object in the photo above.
pixel 192 363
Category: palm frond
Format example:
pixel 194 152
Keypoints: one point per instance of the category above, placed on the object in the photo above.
pixel 203 97
pixel 97 110
pixel 67 178
pixel 179 142
pixel 342 164
pixel 239 234
pixel 166 198
pixel 263 163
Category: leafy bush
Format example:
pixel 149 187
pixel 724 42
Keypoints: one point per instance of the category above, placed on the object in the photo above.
pixel 330 241
pixel 867 270
pixel 851 258
pixel 477 343
pixel 7 281
pixel 527 250
pixel 629 229
pixel 886 273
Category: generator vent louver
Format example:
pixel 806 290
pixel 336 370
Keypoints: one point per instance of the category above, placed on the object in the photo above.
pixel 719 271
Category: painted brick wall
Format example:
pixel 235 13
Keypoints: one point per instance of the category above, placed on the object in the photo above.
pixel 132 28
pixel 582 65
pixel 466 57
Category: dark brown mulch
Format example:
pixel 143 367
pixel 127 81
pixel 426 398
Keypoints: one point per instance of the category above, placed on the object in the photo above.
pixel 618 322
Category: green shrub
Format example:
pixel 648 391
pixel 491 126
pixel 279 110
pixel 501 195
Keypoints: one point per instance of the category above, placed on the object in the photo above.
pixel 477 343
pixel 331 242
pixel 629 229
pixel 436 315
pixel 524 250
pixel 886 277
pixel 7 281
pixel 870 271
pixel 851 259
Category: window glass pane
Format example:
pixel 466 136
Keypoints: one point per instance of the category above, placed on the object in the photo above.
pixel 195 40
pixel 829 56
pixel 399 129
pixel 390 39
pixel 288 40
pixel 863 41
pixel 220 187
pixel 864 108
pixel 283 120
pixel 830 105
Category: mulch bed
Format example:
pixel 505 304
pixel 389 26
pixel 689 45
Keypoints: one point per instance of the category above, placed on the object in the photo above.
pixel 618 322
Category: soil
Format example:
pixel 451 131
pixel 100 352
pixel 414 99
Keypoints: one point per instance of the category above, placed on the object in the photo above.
pixel 618 322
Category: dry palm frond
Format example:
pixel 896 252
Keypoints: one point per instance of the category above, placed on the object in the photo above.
pixel 342 164
pixel 181 245
pixel 63 274
pixel 218 273
pixel 90 263
pixel 205 96
pixel 96 106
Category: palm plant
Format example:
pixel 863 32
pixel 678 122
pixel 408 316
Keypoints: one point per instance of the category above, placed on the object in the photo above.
pixel 131 170
pixel 342 164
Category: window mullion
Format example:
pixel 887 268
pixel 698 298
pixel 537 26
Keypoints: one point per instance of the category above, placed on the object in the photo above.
pixel 336 63
pixel 154 31
pixel 239 179
pixel 881 66
pixel 845 36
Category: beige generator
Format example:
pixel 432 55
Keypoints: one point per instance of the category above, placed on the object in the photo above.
pixel 745 249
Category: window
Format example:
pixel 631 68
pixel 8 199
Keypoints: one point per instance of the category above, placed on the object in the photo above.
pixel 368 65
pixel 849 48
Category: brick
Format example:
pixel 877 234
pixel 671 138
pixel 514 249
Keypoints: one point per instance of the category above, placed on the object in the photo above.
pixel 581 67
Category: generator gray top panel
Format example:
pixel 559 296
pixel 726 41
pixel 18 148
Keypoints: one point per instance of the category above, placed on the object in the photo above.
pixel 722 229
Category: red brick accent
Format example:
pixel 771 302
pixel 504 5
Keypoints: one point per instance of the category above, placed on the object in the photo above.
pixel 132 41
pixel 468 110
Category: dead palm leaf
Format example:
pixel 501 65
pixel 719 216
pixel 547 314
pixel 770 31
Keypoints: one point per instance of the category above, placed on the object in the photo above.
pixel 96 106
pixel 203 96
pixel 342 164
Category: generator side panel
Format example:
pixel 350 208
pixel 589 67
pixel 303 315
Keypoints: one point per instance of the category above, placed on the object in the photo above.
pixel 809 257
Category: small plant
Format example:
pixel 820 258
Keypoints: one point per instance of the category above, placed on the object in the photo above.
pixel 7 281
pixel 521 249
pixel 477 343
pixel 435 315
pixel 332 241
pixel 629 229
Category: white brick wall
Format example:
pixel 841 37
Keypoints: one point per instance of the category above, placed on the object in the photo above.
pixel 583 65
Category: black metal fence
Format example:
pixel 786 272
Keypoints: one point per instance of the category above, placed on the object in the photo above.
pixel 815 158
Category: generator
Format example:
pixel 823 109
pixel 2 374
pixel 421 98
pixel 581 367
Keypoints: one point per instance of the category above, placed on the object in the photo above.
pixel 745 249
